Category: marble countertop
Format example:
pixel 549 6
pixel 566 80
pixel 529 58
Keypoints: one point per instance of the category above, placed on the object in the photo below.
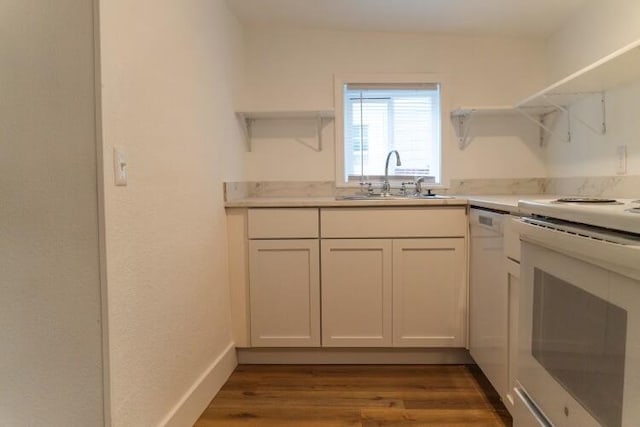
pixel 505 202
pixel 272 202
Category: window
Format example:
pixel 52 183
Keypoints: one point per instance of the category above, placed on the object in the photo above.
pixel 380 117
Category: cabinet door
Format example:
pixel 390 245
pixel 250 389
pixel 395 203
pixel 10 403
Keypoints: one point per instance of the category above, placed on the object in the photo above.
pixel 285 293
pixel 356 293
pixel 429 293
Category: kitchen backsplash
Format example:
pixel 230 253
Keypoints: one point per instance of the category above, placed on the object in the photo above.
pixel 602 186
pixel 241 190
pixel 496 186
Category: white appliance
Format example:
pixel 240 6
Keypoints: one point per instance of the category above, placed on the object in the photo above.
pixel 579 322
pixel 488 297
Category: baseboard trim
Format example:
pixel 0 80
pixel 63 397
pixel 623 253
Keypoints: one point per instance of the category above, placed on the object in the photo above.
pixel 364 356
pixel 187 411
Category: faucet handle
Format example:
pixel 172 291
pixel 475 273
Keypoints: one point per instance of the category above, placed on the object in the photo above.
pixel 368 185
pixel 418 184
pixel 403 187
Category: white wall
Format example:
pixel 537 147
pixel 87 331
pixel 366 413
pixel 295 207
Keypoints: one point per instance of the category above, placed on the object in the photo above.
pixel 50 309
pixel 168 72
pixel 290 69
pixel 600 28
pixel 592 154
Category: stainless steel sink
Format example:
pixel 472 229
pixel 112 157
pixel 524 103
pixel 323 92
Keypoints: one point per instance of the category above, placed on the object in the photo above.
pixel 380 197
pixel 434 196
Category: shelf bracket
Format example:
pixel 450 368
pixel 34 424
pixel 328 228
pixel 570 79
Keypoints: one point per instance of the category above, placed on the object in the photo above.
pixel 245 124
pixel 539 120
pixel 570 115
pixel 320 123
pixel 463 126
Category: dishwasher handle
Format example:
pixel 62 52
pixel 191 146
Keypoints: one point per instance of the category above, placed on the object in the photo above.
pixel 487 219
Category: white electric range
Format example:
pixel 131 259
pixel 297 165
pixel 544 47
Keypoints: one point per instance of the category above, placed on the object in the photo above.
pixel 614 214
pixel 579 313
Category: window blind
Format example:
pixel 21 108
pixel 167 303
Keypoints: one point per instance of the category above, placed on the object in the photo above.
pixel 384 117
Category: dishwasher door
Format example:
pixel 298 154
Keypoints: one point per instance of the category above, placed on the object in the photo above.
pixel 488 298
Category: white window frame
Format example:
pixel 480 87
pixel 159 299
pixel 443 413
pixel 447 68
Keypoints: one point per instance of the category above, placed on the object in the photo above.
pixel 340 80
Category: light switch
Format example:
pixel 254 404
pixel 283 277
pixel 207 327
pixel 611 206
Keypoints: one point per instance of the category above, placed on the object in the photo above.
pixel 119 166
pixel 621 159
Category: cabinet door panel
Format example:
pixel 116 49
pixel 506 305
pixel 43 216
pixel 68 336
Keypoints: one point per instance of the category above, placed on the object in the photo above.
pixel 429 293
pixel 356 293
pixel 284 293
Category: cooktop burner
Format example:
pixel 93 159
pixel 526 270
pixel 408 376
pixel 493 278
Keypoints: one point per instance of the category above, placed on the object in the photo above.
pixel 587 200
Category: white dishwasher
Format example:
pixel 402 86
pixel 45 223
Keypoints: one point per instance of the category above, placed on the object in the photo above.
pixel 488 297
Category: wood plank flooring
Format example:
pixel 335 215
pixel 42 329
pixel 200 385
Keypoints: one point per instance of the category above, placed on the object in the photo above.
pixel 355 395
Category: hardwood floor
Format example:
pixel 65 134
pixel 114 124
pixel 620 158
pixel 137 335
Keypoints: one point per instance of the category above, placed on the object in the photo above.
pixel 355 395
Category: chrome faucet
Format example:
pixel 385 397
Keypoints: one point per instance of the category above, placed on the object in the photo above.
pixel 386 187
pixel 418 182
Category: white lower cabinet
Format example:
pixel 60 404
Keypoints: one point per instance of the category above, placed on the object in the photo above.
pixel 284 288
pixel 393 292
pixel 429 293
pixel 356 277
pixel 356 293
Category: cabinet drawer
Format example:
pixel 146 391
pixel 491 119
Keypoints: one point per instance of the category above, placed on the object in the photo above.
pixel 278 223
pixel 393 222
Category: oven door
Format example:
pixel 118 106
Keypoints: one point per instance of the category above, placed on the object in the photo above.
pixel 579 333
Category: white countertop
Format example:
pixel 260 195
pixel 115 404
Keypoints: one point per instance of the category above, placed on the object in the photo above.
pixel 272 202
pixel 503 202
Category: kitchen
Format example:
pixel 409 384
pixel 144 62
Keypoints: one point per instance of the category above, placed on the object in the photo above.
pixel 172 78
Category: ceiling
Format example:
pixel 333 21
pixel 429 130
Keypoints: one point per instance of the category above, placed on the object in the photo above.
pixel 527 18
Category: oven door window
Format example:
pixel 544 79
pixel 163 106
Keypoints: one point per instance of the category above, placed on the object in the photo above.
pixel 580 340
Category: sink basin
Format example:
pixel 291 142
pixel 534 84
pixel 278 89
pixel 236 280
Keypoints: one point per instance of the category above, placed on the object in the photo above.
pixel 434 196
pixel 380 197
pixel 372 197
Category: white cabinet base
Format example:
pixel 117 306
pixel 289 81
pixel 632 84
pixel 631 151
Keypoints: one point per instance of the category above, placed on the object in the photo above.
pixel 355 356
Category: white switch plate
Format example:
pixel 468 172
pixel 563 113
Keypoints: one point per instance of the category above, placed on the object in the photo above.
pixel 621 159
pixel 119 166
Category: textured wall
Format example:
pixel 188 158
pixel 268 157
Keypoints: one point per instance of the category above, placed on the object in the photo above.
pixel 50 311
pixel 169 69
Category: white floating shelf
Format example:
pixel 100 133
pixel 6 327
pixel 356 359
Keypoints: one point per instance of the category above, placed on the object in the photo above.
pixel 463 116
pixel 484 110
pixel 283 115
pixel 617 69
pixel 247 117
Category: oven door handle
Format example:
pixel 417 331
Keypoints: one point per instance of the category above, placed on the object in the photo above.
pixel 533 409
pixel 620 258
